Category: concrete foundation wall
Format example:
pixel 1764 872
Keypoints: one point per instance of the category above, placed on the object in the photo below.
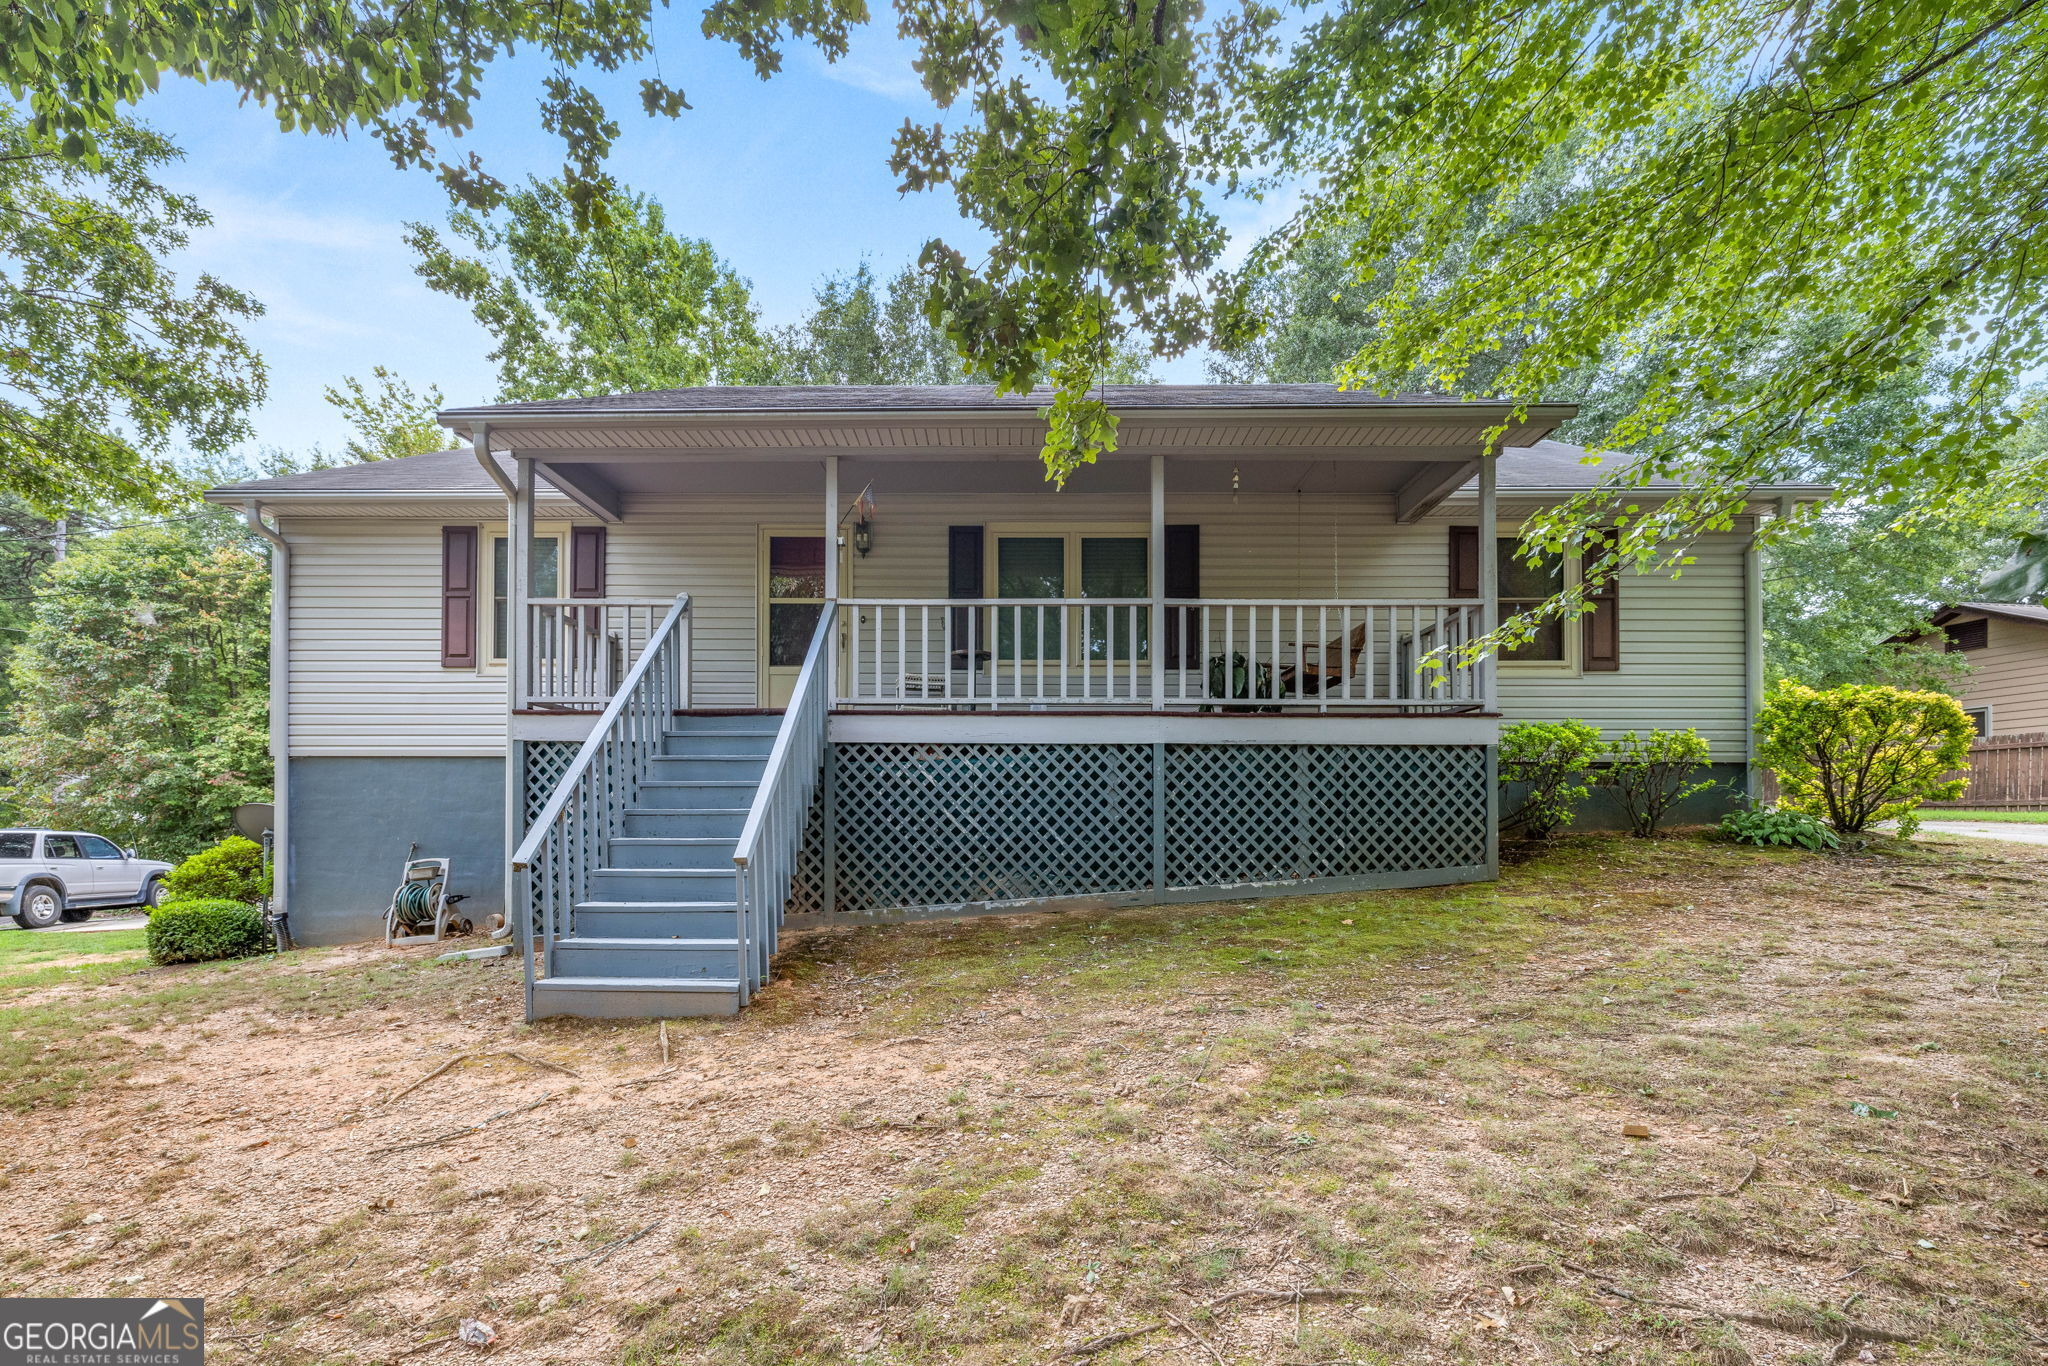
pixel 1601 811
pixel 351 819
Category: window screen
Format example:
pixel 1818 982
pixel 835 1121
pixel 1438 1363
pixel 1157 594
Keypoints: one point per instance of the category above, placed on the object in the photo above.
pixel 1522 586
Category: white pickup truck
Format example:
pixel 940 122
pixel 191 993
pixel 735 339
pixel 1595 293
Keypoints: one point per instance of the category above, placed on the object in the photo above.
pixel 52 875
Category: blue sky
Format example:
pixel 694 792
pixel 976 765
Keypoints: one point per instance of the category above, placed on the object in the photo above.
pixel 787 178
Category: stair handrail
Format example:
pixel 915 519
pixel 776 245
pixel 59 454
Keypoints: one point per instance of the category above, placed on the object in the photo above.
pixel 764 859
pixel 630 728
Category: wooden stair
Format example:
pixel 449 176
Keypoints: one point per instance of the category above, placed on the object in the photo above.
pixel 659 934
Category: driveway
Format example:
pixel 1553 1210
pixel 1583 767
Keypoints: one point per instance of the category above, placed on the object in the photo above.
pixel 2014 831
pixel 103 920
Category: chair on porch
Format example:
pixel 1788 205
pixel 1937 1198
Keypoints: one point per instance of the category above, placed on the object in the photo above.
pixel 1326 667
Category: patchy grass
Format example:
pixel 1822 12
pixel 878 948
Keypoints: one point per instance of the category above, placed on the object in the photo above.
pixel 38 958
pixel 1379 1128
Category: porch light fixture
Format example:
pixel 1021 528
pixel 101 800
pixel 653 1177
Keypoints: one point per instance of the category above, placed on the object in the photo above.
pixel 863 537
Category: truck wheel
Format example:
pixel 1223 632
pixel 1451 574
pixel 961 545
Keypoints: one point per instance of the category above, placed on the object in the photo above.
pixel 153 895
pixel 40 907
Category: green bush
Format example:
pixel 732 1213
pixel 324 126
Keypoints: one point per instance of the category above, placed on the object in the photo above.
pixel 1551 757
pixel 202 931
pixel 230 871
pixel 1860 754
pixel 1651 773
pixel 1779 825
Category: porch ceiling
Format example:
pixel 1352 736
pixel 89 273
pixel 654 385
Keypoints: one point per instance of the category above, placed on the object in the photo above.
pixel 995 476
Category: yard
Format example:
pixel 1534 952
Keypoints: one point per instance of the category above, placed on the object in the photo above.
pixel 1639 1102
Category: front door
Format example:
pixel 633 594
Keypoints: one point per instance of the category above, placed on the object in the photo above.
pixel 793 579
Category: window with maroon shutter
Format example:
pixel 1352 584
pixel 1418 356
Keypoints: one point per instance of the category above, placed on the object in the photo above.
pixel 458 597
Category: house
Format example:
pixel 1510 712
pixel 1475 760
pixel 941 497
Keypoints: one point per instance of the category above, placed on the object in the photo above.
pixel 2006 645
pixel 663 673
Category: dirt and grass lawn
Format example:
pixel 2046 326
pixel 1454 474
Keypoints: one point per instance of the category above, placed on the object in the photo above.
pixel 1639 1102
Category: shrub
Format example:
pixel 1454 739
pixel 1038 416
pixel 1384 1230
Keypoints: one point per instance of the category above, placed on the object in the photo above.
pixel 1860 754
pixel 1649 774
pixel 230 871
pixel 1778 825
pixel 202 931
pixel 1548 756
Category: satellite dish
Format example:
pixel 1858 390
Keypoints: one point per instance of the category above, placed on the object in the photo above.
pixel 254 818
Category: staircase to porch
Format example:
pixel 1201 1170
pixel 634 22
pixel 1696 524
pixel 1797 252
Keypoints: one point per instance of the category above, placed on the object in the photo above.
pixel 653 881
pixel 659 933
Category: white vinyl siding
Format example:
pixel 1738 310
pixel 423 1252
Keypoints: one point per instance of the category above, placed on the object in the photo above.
pixel 366 675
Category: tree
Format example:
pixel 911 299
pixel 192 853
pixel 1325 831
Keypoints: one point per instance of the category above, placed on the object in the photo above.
pixel 1751 167
pixel 623 306
pixel 393 420
pixel 141 688
pixel 859 334
pixel 402 71
pixel 105 361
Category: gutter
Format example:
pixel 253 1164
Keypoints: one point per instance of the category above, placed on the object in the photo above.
pixel 280 704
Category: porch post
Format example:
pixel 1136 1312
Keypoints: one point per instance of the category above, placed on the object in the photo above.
pixel 1155 573
pixel 1489 575
pixel 519 568
pixel 832 573
pixel 831 526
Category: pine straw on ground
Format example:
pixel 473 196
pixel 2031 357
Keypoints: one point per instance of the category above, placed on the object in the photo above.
pixel 1378 1128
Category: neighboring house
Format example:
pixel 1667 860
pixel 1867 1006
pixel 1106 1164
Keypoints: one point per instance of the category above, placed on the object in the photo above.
pixel 2006 645
pixel 828 654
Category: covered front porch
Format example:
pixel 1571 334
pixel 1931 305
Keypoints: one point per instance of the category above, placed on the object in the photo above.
pixel 1263 579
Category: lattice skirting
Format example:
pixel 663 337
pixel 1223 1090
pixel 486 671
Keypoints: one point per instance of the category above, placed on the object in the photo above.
pixel 545 763
pixel 931 826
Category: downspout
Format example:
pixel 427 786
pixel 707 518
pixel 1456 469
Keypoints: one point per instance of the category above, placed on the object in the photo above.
pixel 280 707
pixel 480 442
pixel 1753 653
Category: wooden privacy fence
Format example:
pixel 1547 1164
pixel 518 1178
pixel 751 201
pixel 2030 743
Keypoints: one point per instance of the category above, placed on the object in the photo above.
pixel 2007 772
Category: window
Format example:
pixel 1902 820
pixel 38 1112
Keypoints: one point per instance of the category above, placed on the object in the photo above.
pixel 544 580
pixel 61 846
pixel 1522 586
pixel 796 597
pixel 1980 717
pixel 97 847
pixel 1045 565
pixel 17 844
pixel 1968 635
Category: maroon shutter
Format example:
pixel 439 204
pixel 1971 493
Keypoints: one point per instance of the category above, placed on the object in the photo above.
pixel 1600 628
pixel 586 561
pixel 1464 562
pixel 1183 557
pixel 458 597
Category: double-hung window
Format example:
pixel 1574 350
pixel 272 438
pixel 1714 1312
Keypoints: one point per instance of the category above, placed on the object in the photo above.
pixel 1524 586
pixel 544 580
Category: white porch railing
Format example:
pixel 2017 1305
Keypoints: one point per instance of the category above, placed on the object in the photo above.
pixel 552 867
pixel 765 857
pixel 1209 653
pixel 577 649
